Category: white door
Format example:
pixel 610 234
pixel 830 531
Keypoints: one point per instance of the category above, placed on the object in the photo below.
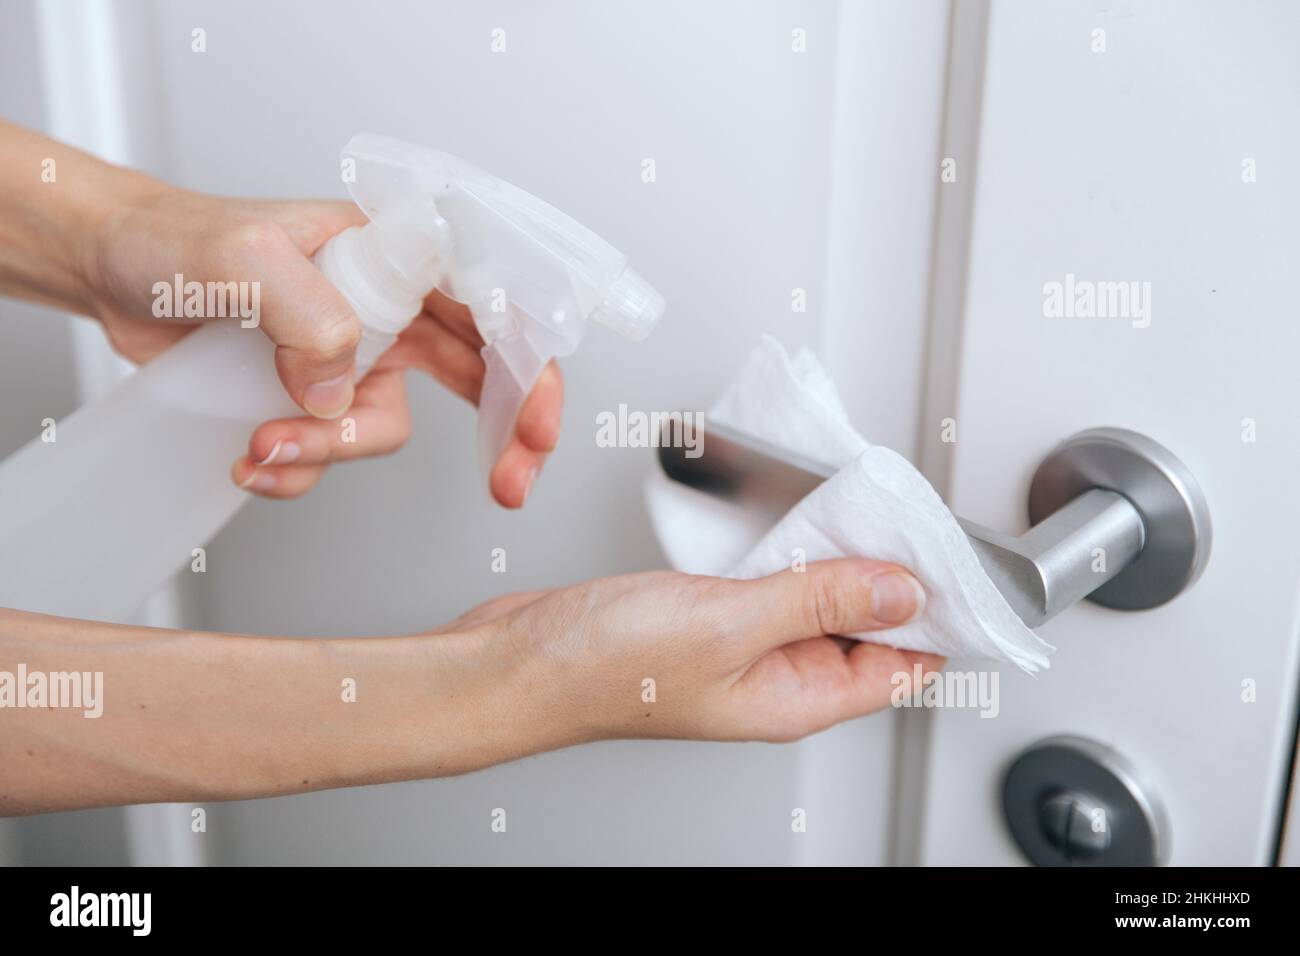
pixel 796 146
pixel 1152 143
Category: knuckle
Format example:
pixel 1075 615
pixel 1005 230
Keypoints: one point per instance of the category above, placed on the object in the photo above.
pixel 707 610
pixel 828 603
pixel 706 597
pixel 336 336
pixel 253 240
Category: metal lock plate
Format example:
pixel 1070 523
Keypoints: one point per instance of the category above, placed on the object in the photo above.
pixel 1070 801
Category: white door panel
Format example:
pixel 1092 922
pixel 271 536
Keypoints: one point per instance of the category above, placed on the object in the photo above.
pixel 755 195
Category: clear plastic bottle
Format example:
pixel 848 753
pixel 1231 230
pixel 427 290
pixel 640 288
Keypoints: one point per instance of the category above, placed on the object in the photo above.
pixel 95 521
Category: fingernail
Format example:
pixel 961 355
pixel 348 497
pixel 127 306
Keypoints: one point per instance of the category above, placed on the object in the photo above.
pixel 258 481
pixel 896 597
pixel 528 488
pixel 330 398
pixel 284 453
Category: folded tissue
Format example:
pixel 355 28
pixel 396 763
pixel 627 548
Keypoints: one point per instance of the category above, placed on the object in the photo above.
pixel 877 505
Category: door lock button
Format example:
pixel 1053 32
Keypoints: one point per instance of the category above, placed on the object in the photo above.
pixel 1070 801
pixel 1075 824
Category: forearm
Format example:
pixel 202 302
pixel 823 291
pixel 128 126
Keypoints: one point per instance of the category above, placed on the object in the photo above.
pixel 191 716
pixel 54 200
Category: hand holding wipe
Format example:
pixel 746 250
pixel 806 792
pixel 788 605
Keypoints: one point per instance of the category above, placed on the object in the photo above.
pixel 875 505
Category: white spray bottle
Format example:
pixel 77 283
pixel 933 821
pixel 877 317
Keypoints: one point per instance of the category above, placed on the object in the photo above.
pixel 133 486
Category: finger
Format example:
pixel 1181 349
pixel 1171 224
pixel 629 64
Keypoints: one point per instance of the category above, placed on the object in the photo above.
pixel 455 316
pixel 877 672
pixel 378 423
pixel 538 427
pixel 512 477
pixel 312 325
pixel 310 223
pixel 844 596
pixel 809 685
pixel 536 433
pixel 432 348
pixel 277 481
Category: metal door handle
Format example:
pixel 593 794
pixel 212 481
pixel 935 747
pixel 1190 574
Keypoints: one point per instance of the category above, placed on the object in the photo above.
pixel 1116 517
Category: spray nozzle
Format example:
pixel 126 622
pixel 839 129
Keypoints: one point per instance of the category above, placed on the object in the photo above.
pixel 531 275
pixel 631 306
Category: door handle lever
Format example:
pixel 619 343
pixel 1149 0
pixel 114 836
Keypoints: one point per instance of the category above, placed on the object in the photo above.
pixel 1116 517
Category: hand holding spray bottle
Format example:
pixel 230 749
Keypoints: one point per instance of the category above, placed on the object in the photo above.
pixel 96 521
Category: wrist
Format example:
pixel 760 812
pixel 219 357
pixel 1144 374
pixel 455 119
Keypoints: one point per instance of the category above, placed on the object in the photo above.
pixel 432 705
pixel 522 700
pixel 115 198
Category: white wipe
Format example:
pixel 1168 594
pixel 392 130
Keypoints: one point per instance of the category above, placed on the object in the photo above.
pixel 877 506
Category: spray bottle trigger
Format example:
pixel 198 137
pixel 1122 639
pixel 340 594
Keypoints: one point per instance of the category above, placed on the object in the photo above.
pixel 500 401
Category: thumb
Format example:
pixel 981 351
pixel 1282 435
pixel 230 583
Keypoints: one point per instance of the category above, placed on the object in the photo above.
pixel 843 596
pixel 316 333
